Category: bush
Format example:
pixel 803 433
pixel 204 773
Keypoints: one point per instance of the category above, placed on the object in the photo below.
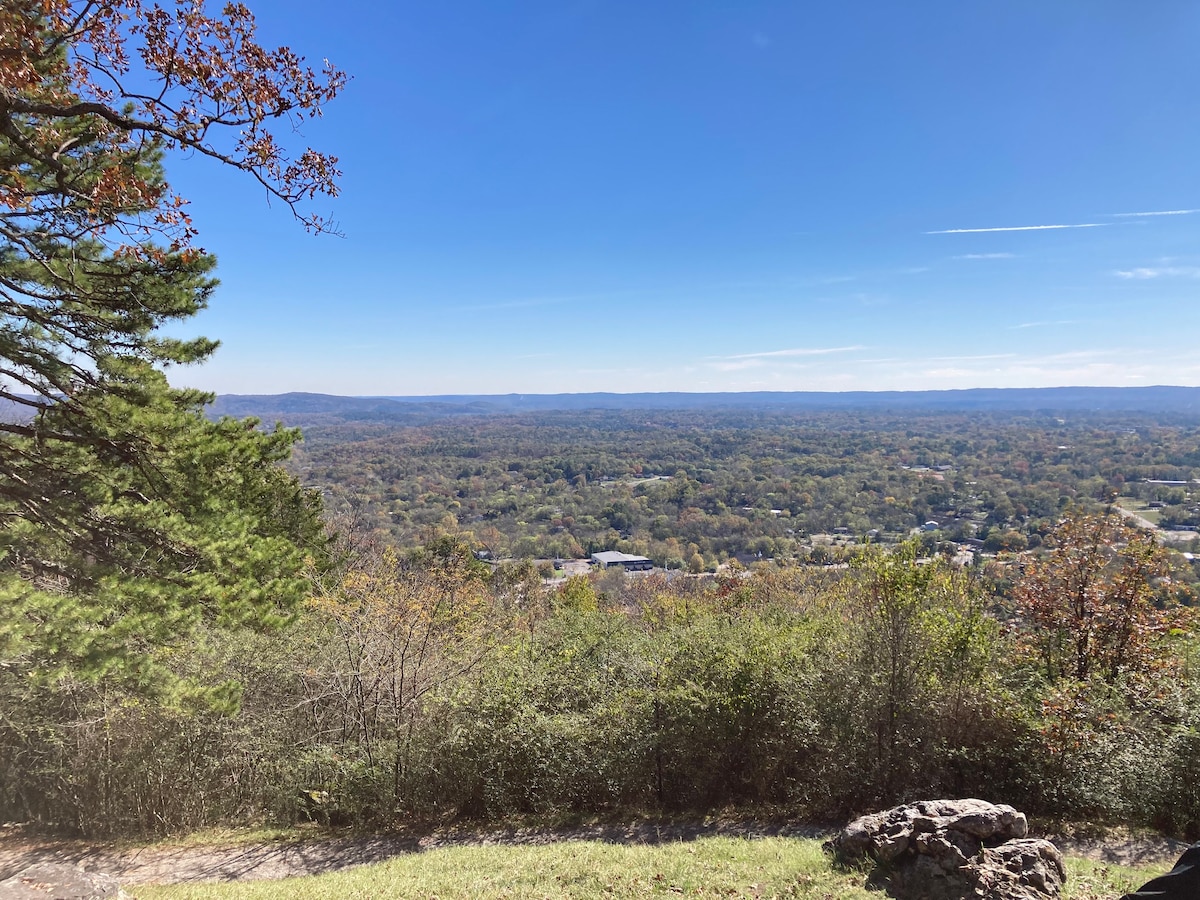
pixel 830 692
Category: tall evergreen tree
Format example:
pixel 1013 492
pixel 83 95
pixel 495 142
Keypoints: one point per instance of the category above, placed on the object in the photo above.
pixel 127 517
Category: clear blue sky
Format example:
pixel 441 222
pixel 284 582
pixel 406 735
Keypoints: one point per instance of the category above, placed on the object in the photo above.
pixel 724 196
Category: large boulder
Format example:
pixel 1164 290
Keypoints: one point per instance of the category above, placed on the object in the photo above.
pixel 952 850
pixel 60 881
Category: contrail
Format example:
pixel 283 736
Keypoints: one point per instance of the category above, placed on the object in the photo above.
pixel 1017 228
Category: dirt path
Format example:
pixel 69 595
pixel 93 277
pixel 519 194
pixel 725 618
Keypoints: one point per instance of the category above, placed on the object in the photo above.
pixel 164 864
pixel 1132 851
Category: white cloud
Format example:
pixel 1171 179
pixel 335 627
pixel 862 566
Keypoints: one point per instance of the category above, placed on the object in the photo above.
pixel 1017 228
pixel 1161 212
pixel 737 365
pixel 1145 273
pixel 948 373
pixel 1071 355
pixel 802 351
pixel 1113 366
pixel 967 358
pixel 1044 324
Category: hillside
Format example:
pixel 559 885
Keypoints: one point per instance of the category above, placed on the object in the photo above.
pixel 304 408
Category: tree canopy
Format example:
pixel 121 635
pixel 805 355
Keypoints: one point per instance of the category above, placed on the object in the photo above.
pixel 126 515
pixel 1090 600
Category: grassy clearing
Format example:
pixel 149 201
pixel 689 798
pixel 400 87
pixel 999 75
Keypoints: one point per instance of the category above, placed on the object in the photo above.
pixel 1090 880
pixel 708 867
pixel 1140 508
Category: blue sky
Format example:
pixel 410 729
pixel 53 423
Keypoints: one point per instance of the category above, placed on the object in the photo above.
pixel 719 196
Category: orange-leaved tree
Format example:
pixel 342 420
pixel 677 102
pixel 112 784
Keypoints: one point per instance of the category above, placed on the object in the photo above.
pixel 1089 602
pixel 90 90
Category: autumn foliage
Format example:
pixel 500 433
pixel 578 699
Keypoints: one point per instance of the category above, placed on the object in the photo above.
pixel 425 684
pixel 126 79
pixel 1091 601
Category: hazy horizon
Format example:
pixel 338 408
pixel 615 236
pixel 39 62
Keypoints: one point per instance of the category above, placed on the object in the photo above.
pixel 371 396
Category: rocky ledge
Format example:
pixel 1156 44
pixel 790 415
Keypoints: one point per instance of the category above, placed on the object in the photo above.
pixel 60 881
pixel 952 850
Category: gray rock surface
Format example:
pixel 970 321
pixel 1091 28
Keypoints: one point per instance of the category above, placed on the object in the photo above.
pixel 60 881
pixel 952 850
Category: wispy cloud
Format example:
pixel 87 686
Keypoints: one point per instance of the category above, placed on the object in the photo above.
pixel 799 351
pixel 1160 212
pixel 1112 366
pixel 948 372
pixel 969 358
pixel 514 304
pixel 1074 355
pixel 777 359
pixel 1146 273
pixel 862 298
pixel 737 365
pixel 1017 228
pixel 986 256
pixel 1044 324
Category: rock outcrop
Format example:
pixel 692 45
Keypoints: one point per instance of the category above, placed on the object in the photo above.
pixel 952 850
pixel 60 881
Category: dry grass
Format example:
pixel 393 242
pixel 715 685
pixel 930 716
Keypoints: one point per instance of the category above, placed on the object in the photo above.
pixel 707 867
pixel 1090 880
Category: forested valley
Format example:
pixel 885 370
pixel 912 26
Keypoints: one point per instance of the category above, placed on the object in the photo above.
pixel 1052 668
pixel 692 489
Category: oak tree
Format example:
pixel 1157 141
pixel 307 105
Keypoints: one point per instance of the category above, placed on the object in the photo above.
pixel 1090 601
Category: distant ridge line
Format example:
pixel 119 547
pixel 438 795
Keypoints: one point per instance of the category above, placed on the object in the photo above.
pixel 1128 398
pixel 1151 399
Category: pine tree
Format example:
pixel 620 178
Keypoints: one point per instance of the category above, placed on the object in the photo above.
pixel 126 516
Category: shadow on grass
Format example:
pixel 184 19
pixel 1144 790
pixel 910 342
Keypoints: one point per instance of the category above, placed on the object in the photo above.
pixel 280 859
